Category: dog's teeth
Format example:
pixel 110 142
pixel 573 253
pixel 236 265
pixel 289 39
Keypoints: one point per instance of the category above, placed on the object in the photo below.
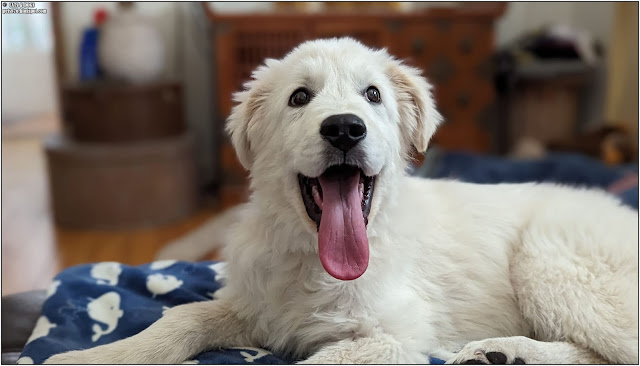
pixel 316 195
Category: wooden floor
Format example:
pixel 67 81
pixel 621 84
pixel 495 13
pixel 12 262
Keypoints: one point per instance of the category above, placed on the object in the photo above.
pixel 33 249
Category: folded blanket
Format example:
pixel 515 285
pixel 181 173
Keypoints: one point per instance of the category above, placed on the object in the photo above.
pixel 100 303
pixel 563 168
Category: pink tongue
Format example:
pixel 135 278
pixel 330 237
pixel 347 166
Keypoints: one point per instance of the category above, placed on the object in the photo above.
pixel 342 236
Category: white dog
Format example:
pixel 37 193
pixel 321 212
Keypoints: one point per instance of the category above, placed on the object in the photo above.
pixel 339 257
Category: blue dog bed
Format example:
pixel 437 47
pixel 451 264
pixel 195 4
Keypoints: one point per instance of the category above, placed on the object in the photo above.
pixel 564 168
pixel 100 303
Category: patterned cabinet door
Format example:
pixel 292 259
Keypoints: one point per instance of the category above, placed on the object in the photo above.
pixel 455 56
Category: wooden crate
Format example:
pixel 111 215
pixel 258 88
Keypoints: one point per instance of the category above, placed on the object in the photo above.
pixel 108 186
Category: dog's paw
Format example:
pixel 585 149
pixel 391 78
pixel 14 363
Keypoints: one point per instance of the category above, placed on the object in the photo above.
pixel 495 351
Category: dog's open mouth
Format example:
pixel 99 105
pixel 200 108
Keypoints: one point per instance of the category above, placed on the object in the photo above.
pixel 339 201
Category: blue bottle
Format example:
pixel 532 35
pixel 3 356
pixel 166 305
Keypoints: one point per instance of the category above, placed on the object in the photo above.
pixel 89 69
pixel 89 65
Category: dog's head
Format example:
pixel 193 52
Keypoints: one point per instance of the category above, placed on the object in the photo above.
pixel 324 132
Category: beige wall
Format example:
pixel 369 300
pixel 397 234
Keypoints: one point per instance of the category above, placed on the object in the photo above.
pixel 28 85
pixel 622 86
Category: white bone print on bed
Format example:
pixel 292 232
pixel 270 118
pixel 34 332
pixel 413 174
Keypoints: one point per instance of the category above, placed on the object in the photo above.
pixel 220 269
pixel 165 309
pixel 160 284
pixel 25 361
pixel 162 264
pixel 42 328
pixel 53 288
pixel 248 357
pixel 105 310
pixel 106 273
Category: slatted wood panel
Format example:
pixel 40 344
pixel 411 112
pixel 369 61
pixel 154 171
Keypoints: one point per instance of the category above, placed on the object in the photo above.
pixel 252 48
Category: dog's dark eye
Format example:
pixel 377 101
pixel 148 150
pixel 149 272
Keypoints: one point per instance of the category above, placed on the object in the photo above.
pixel 299 97
pixel 373 94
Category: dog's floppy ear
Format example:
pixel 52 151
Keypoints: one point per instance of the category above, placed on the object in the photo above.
pixel 416 106
pixel 246 114
pixel 238 126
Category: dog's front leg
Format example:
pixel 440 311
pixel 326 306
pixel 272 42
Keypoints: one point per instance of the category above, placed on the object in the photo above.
pixel 183 332
pixel 380 348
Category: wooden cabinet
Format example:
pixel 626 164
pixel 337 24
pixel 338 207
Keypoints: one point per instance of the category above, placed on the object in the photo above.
pixel 120 113
pixel 452 45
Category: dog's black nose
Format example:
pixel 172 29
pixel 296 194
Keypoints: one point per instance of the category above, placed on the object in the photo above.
pixel 343 131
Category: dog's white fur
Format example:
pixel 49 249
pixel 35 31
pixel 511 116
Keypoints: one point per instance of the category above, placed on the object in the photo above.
pixel 451 263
